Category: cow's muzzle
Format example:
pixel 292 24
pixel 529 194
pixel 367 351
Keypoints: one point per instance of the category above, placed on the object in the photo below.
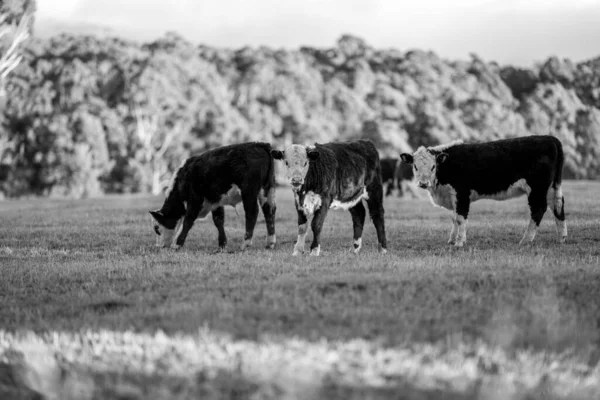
pixel 423 185
pixel 296 183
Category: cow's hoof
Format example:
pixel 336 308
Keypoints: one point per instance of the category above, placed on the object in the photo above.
pixel 562 240
pixel 451 241
pixel 246 243
pixel 271 240
pixel 382 250
pixel 270 246
pixel 316 251
pixel 459 244
pixel 175 246
pixel 357 245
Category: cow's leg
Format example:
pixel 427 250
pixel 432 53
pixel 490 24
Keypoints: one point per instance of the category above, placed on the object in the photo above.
pixel 454 231
pixel 317 225
pixel 400 188
pixel 250 201
pixel 463 203
pixel 556 200
pixel 375 204
pixel 218 216
pixel 268 208
pixel 390 187
pixel 358 213
pixel 302 228
pixel 188 221
pixel 538 203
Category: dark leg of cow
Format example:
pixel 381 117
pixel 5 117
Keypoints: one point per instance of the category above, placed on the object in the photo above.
pixel 375 203
pixel 268 209
pixel 302 228
pixel 538 204
pixel 250 201
pixel 188 221
pixel 218 216
pixel 317 225
pixel 358 222
pixel 463 203
pixel 390 187
pixel 400 189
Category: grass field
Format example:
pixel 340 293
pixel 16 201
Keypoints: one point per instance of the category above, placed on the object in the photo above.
pixel 89 308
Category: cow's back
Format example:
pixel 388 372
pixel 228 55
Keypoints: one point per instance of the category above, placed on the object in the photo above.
pixel 213 172
pixel 493 166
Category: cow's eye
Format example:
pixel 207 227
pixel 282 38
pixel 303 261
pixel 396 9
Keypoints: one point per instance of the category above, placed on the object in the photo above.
pixel 157 230
pixel 416 169
pixel 305 163
pixel 432 167
pixel 286 164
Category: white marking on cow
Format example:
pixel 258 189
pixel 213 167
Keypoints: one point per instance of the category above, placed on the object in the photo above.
pixel 271 240
pixel 446 145
pixel 519 188
pixel 442 196
pixel 312 202
pixel 168 237
pixel 316 251
pixel 299 246
pixel 262 199
pixel 232 197
pixel 246 243
pixel 382 250
pixel 529 233
pixel 462 231
pixel 337 205
pixel 357 245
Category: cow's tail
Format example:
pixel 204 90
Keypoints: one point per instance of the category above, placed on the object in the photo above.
pixel 558 200
pixel 270 182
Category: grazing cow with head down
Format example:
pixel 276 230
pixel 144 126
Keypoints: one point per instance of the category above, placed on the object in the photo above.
pixel 240 173
pixel 394 172
pixel 457 174
pixel 336 176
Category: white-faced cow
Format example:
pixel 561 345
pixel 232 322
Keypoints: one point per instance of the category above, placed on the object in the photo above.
pixel 457 174
pixel 229 175
pixel 336 176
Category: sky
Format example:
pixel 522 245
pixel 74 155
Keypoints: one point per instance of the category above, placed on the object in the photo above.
pixel 519 32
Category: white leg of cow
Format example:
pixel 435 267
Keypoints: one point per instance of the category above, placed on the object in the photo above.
pixel 556 202
pixel 461 238
pixel 357 245
pixel 316 251
pixel 454 231
pixel 246 243
pixel 529 233
pixel 299 246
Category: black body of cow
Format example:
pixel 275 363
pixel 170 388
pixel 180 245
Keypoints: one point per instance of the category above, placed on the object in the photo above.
pixel 393 172
pixel 484 170
pixel 341 173
pixel 203 181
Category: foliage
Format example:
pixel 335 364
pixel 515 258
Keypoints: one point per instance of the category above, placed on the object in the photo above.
pixel 89 115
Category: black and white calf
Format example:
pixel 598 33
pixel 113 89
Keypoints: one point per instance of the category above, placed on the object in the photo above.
pixel 457 174
pixel 336 176
pixel 240 173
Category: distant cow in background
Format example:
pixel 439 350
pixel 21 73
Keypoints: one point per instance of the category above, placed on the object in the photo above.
pixel 337 176
pixel 395 173
pixel 457 174
pixel 229 175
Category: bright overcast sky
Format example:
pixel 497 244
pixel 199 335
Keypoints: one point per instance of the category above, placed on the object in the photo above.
pixel 508 31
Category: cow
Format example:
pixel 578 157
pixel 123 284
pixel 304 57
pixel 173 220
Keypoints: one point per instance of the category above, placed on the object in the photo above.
pixel 457 174
pixel 395 173
pixel 337 176
pixel 203 184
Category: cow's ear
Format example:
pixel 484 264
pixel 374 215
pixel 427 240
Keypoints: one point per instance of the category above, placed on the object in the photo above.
pixel 407 158
pixel 312 154
pixel 277 154
pixel 440 158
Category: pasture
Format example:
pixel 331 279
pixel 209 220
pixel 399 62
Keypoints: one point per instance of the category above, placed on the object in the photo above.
pixel 91 309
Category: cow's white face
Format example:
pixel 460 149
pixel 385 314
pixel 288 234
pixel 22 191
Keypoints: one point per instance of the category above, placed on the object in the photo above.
pixel 296 159
pixel 425 163
pixel 165 237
